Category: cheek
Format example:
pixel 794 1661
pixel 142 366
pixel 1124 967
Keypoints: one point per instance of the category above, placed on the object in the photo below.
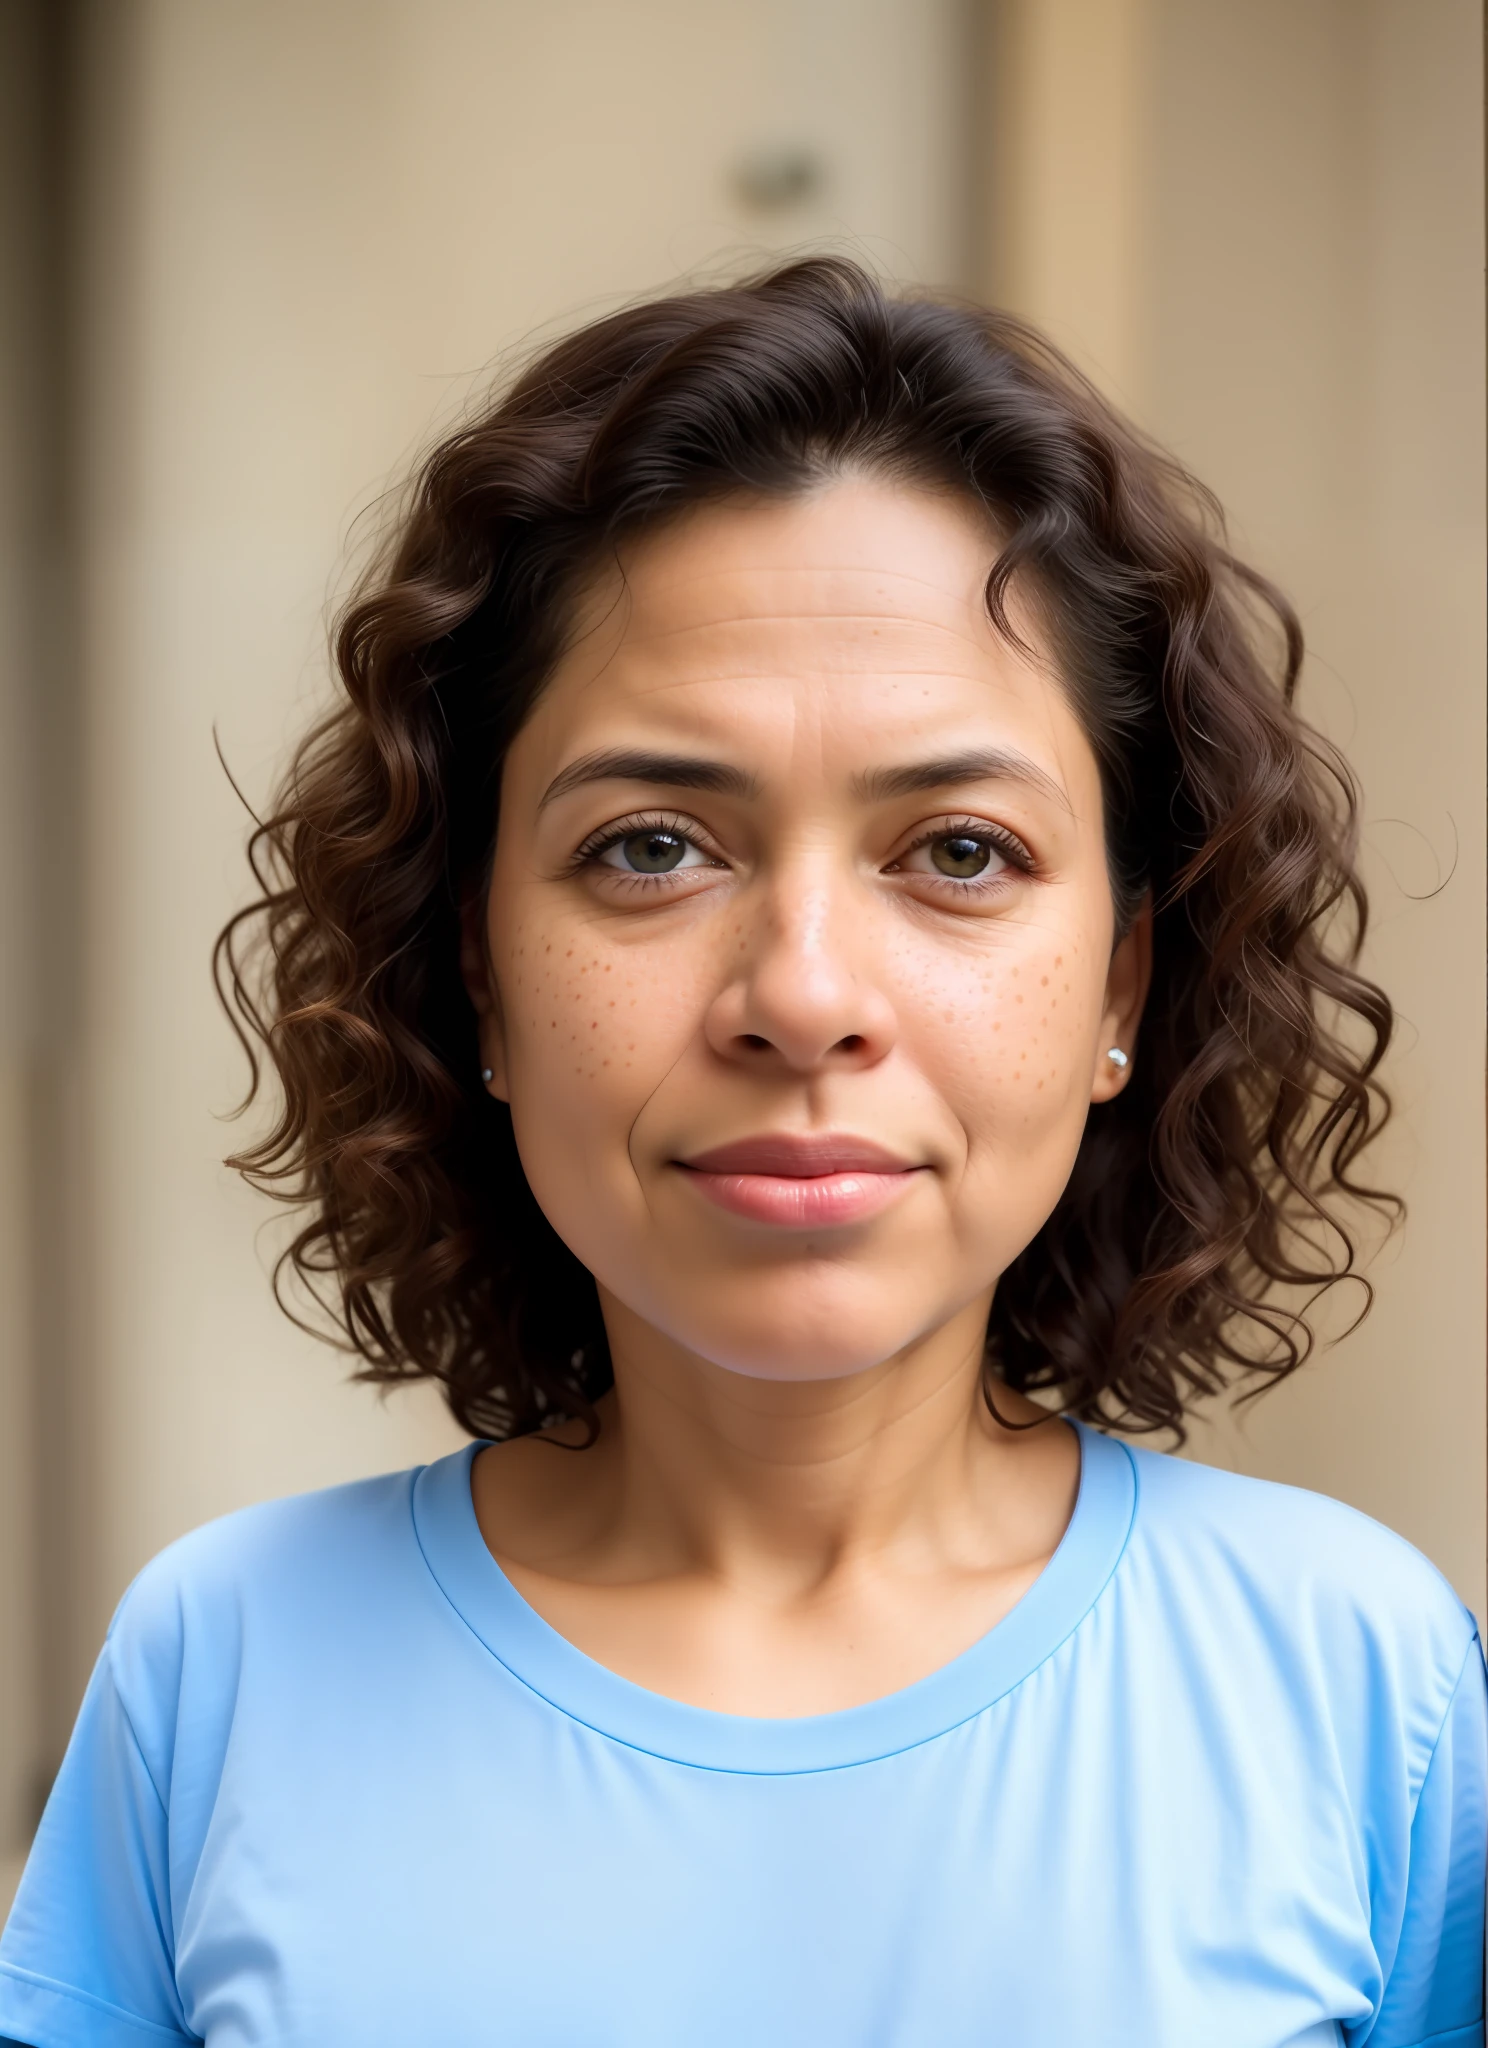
pixel 591 1026
pixel 1008 1037
pixel 570 1017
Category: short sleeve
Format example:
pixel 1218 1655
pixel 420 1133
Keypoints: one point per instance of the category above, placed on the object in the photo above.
pixel 1433 1996
pixel 86 1957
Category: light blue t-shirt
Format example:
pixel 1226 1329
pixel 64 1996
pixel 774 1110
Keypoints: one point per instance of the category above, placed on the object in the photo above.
pixel 1218 1781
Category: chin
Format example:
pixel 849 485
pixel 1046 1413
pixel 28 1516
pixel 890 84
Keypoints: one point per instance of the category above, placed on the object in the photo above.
pixel 763 1360
pixel 837 1333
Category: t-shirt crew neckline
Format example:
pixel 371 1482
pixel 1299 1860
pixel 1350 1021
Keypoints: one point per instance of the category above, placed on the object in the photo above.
pixel 588 1692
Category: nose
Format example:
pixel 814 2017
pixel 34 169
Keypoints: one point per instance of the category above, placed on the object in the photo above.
pixel 804 996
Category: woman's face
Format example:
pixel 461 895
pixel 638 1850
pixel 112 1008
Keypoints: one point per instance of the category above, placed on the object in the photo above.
pixel 801 978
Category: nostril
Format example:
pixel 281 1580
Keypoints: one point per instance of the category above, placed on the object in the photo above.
pixel 853 1043
pixel 755 1043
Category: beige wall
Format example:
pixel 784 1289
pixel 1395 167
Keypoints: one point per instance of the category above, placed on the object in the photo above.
pixel 1296 193
pixel 309 226
pixel 21 548
pixel 312 224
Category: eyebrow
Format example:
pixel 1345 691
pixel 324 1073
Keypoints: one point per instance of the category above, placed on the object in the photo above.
pixel 673 771
pixel 983 764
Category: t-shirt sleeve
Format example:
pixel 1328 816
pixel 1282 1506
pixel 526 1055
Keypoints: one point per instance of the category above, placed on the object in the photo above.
pixel 86 1960
pixel 1433 1996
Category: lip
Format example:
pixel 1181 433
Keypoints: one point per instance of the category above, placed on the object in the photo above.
pixel 806 1180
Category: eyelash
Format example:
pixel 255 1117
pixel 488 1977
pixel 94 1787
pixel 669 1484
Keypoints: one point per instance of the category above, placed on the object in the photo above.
pixel 630 828
pixel 1005 843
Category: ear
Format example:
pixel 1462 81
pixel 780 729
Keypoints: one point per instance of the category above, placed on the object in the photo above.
pixel 485 998
pixel 1127 983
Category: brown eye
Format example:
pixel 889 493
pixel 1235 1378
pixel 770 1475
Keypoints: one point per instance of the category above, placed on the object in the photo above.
pixel 961 856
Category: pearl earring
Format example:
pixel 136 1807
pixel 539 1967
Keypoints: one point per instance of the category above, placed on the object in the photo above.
pixel 1117 1057
pixel 488 1074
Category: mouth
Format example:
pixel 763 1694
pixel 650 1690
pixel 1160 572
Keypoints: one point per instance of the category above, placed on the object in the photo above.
pixel 801 1181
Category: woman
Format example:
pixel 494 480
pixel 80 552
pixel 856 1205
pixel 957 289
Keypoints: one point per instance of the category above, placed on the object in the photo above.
pixel 811 921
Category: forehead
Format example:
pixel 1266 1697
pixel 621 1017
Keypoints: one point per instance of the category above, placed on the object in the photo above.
pixel 845 626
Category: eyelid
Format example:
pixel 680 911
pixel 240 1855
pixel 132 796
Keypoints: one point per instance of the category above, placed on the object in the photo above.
pixel 611 833
pixel 1007 843
pixel 959 825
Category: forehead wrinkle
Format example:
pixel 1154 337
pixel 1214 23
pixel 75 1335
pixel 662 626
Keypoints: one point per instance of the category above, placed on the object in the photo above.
pixel 859 634
pixel 880 577
pixel 665 561
pixel 873 590
pixel 628 677
pixel 647 636
pixel 817 682
pixel 785 646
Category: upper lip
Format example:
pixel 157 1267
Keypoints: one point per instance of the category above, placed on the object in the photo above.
pixel 799 1155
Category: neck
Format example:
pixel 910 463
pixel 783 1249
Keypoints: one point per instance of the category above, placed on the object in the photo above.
pixel 783 1485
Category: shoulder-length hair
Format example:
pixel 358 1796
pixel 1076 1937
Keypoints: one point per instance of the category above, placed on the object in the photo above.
pixel 1219 1178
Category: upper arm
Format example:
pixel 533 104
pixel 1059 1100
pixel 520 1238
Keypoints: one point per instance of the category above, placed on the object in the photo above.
pixel 1434 1979
pixel 87 1955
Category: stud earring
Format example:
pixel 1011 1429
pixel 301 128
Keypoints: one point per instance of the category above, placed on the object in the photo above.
pixel 1117 1057
pixel 488 1073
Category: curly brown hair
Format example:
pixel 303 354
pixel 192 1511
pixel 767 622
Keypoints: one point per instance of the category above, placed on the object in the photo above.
pixel 1221 1174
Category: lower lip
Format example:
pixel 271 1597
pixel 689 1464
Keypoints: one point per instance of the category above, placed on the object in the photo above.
pixel 822 1202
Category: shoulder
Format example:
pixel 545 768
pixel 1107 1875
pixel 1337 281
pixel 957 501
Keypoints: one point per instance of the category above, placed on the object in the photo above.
pixel 282 1567
pixel 235 1638
pixel 1303 1581
pixel 1289 1544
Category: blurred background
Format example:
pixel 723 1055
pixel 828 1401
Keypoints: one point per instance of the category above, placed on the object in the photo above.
pixel 254 253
